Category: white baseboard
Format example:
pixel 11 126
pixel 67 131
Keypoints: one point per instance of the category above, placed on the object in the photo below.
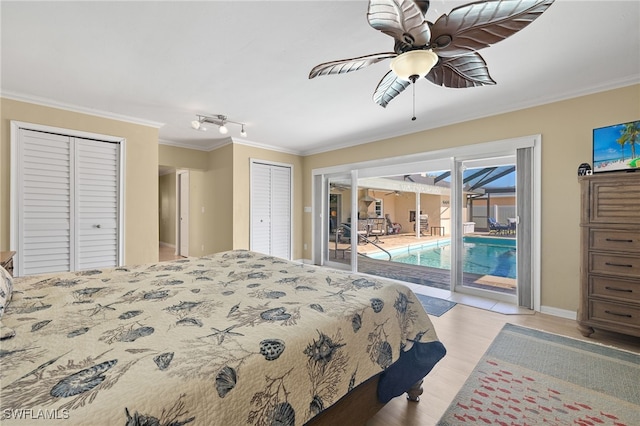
pixel 563 313
pixel 163 244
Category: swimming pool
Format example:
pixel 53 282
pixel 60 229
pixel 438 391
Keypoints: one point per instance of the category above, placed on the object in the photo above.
pixel 482 255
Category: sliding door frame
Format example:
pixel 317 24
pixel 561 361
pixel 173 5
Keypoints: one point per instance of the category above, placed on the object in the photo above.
pixel 431 160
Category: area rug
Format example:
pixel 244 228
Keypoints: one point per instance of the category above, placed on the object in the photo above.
pixel 435 306
pixel 531 377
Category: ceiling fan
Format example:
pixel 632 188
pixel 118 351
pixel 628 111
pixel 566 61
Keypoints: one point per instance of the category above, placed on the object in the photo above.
pixel 445 52
pixel 339 187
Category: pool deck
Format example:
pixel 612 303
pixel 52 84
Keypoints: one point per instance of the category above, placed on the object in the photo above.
pixel 433 277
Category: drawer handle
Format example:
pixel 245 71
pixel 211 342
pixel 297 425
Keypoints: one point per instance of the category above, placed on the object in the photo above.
pixel 617 240
pixel 618 314
pixel 618 264
pixel 626 290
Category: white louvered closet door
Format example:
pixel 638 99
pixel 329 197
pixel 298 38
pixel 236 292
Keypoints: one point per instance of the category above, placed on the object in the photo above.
pixel 68 203
pixel 281 212
pixel 45 198
pixel 271 209
pixel 261 208
pixel 96 206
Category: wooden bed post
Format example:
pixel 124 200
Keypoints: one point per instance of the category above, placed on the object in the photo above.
pixel 414 392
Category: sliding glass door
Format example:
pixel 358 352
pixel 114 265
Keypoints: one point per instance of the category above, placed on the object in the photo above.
pixel 409 239
pixel 488 227
pixel 435 221
pixel 338 227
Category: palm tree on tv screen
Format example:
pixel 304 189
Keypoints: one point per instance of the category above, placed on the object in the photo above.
pixel 630 134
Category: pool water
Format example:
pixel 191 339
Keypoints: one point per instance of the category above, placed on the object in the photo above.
pixel 483 256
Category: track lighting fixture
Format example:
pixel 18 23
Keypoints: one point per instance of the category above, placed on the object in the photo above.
pixel 219 120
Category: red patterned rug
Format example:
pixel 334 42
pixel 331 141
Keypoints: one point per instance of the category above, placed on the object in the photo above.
pixel 529 377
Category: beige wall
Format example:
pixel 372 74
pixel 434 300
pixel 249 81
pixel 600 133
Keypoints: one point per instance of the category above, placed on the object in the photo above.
pixel 141 171
pixel 182 158
pixel 219 200
pixel 242 154
pixel 210 195
pixel 220 195
pixel 566 142
pixel 199 216
pixel 220 179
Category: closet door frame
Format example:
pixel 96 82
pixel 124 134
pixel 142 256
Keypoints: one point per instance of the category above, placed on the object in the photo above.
pixel 252 163
pixel 14 211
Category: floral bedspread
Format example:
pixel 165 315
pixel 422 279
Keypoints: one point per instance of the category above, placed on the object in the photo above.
pixel 229 339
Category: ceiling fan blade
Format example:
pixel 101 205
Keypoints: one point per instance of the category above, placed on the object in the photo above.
pixel 344 66
pixel 423 5
pixel 477 25
pixel 461 72
pixel 401 19
pixel 389 87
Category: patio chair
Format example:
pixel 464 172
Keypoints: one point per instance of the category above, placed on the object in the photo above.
pixel 495 226
pixel 424 224
pixel 377 229
pixel 363 230
pixel 392 228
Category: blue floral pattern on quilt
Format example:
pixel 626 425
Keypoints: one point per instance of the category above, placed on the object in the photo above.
pixel 233 338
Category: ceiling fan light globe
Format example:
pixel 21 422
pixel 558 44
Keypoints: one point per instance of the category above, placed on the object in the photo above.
pixel 414 63
pixel 195 124
pixel 223 129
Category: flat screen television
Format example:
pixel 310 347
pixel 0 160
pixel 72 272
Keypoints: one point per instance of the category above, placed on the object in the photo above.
pixel 617 147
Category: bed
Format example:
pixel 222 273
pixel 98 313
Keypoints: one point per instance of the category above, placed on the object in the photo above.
pixel 233 338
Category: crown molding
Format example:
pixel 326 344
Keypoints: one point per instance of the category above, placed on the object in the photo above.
pixel 219 143
pixel 183 145
pixel 559 97
pixel 79 109
pixel 265 146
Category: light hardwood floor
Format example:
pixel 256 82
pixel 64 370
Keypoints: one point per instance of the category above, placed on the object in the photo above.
pixel 467 333
pixel 167 253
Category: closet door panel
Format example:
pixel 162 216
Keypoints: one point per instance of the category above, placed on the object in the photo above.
pixel 97 203
pixel 271 209
pixel 281 212
pixel 45 198
pixel 261 208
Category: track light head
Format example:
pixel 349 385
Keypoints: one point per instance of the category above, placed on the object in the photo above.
pixel 220 121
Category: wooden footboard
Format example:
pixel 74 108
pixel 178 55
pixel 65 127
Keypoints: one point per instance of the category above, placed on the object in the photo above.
pixel 359 405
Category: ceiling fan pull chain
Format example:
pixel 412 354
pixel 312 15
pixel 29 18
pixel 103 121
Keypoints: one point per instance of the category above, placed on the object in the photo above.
pixel 414 101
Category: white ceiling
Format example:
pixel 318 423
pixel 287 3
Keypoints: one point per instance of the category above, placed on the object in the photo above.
pixel 161 62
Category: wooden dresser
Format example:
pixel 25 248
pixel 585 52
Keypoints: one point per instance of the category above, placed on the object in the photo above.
pixel 610 262
pixel 6 260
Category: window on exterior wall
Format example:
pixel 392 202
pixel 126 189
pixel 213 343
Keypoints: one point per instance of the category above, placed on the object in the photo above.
pixel 378 208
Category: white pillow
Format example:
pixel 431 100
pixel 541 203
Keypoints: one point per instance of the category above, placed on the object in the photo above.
pixel 6 289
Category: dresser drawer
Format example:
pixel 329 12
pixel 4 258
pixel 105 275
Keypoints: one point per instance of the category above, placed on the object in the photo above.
pixel 614 288
pixel 614 313
pixel 613 264
pixel 615 201
pixel 615 240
